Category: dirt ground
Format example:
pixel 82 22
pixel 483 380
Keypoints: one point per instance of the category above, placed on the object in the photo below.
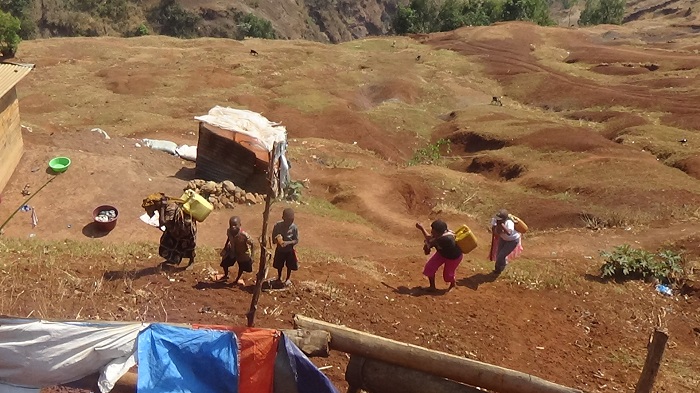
pixel 568 142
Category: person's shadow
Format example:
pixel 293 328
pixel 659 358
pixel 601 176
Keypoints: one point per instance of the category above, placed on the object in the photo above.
pixel 474 281
pixel 416 291
pixel 114 275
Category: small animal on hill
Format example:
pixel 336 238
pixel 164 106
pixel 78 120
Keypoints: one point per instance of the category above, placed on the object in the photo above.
pixel 393 45
pixel 418 58
pixel 253 52
pixel 683 141
pixel 496 101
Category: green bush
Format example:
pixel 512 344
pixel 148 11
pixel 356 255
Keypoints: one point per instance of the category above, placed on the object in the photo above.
pixel 141 30
pixel 430 154
pixel 9 34
pixel 531 10
pixel 253 26
pixel 602 12
pixel 625 262
pixel 174 20
pixel 425 16
pixel 21 9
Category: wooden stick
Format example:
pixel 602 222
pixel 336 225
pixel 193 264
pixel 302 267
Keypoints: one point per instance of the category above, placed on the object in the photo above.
pixel 655 352
pixel 262 269
pixel 25 202
pixel 380 377
pixel 440 364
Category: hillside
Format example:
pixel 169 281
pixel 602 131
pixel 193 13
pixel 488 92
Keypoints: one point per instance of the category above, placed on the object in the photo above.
pixel 322 21
pixel 586 148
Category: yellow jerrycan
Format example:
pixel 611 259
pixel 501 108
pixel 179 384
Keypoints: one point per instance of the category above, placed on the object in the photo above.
pixel 196 206
pixel 519 224
pixel 466 241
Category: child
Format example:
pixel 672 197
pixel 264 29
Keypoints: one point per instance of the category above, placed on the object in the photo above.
pixel 286 234
pixel 239 248
pixel 447 253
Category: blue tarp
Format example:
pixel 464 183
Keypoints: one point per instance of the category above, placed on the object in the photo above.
pixel 295 373
pixel 181 360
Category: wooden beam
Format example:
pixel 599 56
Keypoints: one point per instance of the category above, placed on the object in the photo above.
pixel 655 352
pixel 375 376
pixel 440 364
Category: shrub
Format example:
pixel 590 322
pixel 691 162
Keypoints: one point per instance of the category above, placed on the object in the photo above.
pixel 141 30
pixel 253 26
pixel 602 12
pixel 430 154
pixel 21 9
pixel 531 10
pixel 625 262
pixel 174 20
pixel 9 34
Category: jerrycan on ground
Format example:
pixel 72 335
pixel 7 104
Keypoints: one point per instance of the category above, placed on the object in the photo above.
pixel 465 239
pixel 196 206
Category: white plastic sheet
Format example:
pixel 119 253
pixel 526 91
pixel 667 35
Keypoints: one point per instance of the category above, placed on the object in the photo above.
pixel 246 122
pixel 36 354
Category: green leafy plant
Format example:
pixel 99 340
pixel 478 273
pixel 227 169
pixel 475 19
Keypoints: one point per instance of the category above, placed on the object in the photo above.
pixel 9 34
pixel 602 12
pixel 253 26
pixel 174 20
pixel 141 30
pixel 430 154
pixel 293 190
pixel 625 262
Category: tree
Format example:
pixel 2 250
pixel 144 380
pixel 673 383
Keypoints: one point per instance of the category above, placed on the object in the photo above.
pixel 252 26
pixel 602 12
pixel 419 16
pixel 21 9
pixel 9 34
pixel 174 20
pixel 531 10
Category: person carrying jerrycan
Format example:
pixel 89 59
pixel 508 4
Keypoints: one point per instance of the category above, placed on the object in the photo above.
pixel 446 253
pixel 505 241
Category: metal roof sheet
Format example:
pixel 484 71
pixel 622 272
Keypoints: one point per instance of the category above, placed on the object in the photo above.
pixel 11 74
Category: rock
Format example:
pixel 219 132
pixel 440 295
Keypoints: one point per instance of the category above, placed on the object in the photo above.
pixel 230 204
pixel 191 185
pixel 224 199
pixel 239 190
pixel 229 187
pixel 212 199
pixel 209 188
pixel 218 205
pixel 250 198
pixel 219 189
pixel 261 198
pixel 199 183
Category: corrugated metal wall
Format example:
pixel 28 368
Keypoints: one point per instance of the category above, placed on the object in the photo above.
pixel 220 159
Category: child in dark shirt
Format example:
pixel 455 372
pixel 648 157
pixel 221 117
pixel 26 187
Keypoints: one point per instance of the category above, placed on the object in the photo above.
pixel 286 234
pixel 447 253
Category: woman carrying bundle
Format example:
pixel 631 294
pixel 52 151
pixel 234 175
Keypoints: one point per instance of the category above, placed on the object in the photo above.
pixel 179 239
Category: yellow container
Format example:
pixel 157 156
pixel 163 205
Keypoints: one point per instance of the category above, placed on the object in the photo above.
pixel 196 206
pixel 519 224
pixel 465 239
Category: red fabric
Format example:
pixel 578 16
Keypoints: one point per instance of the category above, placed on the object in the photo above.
pixel 257 353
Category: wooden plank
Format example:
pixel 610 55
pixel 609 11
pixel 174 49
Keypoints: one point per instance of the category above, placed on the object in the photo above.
pixel 375 376
pixel 440 364
pixel 655 353
pixel 11 145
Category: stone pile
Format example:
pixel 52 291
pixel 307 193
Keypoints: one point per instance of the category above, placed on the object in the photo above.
pixel 224 195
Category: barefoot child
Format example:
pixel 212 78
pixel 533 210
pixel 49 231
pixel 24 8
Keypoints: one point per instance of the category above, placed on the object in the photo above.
pixel 286 234
pixel 447 253
pixel 239 249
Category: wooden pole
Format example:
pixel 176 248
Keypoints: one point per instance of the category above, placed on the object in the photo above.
pixel 378 377
pixel 262 269
pixel 440 364
pixel 655 352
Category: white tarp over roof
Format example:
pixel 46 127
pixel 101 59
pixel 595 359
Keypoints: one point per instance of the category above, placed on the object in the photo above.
pixel 246 122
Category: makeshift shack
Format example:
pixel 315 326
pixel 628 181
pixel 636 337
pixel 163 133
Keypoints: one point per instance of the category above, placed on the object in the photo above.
pixel 238 145
pixel 11 146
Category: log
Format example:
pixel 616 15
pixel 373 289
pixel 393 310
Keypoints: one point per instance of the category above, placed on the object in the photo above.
pixel 655 352
pixel 440 364
pixel 314 343
pixel 375 376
